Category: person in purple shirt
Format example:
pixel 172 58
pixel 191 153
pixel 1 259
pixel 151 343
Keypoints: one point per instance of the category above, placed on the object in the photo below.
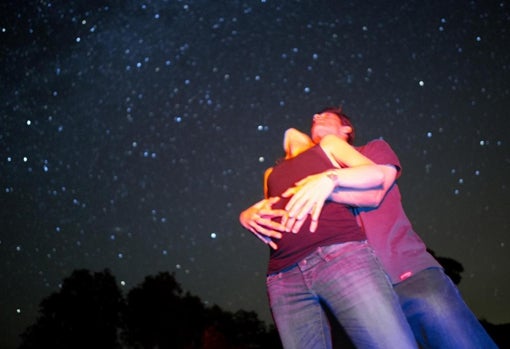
pixel 431 302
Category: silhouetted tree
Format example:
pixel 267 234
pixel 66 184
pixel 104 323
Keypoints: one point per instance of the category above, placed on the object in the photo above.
pixel 214 339
pixel 248 327
pixel 89 312
pixel 452 268
pixel 239 330
pixel 499 333
pixel 159 316
pixel 85 313
pixel 272 338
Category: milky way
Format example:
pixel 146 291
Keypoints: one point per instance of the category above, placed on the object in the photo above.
pixel 134 132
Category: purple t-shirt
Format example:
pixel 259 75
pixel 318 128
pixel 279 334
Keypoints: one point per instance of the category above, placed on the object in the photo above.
pixel 337 222
pixel 389 231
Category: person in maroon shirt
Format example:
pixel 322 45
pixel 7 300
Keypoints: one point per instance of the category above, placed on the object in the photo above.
pixel 333 268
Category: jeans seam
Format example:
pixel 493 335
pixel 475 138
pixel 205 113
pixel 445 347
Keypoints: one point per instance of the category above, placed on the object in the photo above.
pixel 323 335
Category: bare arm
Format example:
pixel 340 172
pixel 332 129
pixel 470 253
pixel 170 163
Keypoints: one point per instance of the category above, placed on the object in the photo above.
pixel 363 185
pixel 366 197
pixel 310 194
pixel 342 153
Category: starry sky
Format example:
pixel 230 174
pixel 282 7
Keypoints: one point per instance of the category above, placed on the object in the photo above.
pixel 132 133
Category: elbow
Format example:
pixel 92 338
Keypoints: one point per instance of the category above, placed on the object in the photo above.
pixel 243 218
pixel 379 177
pixel 377 199
pixel 384 182
pixel 374 202
pixel 374 199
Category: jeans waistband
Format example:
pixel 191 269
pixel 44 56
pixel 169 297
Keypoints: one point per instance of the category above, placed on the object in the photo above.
pixel 322 253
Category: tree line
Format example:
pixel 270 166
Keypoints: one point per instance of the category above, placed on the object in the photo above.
pixel 90 311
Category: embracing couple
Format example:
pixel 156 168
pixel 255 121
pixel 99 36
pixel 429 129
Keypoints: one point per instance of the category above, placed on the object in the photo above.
pixel 340 240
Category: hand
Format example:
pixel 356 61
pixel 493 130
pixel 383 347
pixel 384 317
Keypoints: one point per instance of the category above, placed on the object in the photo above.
pixel 258 220
pixel 308 196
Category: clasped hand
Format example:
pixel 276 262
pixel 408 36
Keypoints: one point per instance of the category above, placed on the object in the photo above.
pixel 307 197
pixel 258 220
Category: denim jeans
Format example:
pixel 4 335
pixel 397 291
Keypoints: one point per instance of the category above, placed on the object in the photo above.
pixel 348 279
pixel 437 314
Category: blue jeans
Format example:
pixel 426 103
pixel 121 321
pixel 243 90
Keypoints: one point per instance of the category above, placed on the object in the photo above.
pixel 348 279
pixel 437 314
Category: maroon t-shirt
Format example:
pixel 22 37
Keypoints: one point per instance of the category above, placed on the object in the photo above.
pixel 389 231
pixel 337 222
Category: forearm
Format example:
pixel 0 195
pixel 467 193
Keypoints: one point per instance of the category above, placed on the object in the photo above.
pixel 361 177
pixel 343 154
pixel 357 198
pixel 366 197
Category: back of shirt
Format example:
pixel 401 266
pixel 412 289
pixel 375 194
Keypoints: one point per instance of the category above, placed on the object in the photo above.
pixel 389 231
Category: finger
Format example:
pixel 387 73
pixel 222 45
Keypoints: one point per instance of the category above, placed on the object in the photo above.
pixel 284 220
pixel 317 210
pixel 289 224
pixel 306 208
pixel 273 245
pixel 266 224
pixel 273 200
pixel 277 226
pixel 256 228
pixel 272 213
pixel 303 181
pixel 289 192
pixel 262 238
pixel 313 226
pixel 270 233
pixel 273 233
pixel 297 226
pixel 292 202
pixel 295 203
pixel 268 228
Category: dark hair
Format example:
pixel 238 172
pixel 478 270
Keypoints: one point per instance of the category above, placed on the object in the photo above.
pixel 344 119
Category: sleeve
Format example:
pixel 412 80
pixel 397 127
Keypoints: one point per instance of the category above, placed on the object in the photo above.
pixel 380 152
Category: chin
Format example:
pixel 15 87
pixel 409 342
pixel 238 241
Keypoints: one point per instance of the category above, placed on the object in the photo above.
pixel 315 139
pixel 318 136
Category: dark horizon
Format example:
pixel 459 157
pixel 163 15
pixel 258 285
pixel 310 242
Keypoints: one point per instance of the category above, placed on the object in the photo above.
pixel 90 310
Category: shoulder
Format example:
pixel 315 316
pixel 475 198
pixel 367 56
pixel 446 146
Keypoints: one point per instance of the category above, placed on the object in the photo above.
pixel 379 143
pixel 376 146
pixel 380 152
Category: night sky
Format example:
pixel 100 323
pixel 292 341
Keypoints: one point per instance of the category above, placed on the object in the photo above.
pixel 132 134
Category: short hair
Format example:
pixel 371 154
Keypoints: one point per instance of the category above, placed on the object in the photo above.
pixel 344 119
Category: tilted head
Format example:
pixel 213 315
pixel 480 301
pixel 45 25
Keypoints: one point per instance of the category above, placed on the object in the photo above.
pixel 332 121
